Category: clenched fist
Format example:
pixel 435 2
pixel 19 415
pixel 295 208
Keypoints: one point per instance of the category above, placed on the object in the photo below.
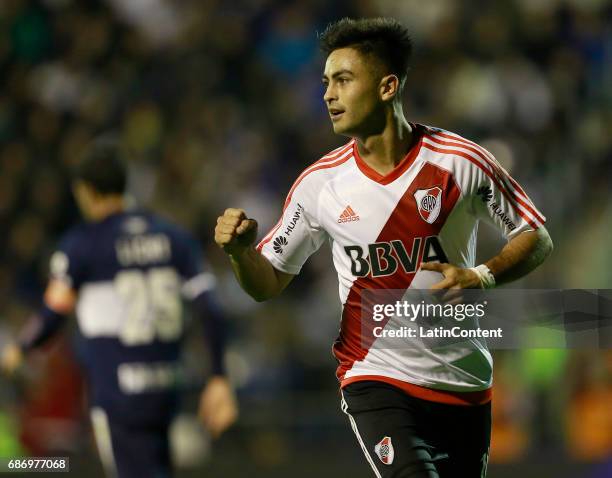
pixel 234 231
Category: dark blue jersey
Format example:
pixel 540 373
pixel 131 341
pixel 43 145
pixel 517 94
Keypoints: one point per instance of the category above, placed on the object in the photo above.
pixel 131 272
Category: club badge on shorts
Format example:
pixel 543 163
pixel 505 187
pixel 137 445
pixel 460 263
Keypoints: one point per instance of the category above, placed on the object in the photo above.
pixel 384 450
pixel 429 203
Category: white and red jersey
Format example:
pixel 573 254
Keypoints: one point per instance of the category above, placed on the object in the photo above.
pixel 382 227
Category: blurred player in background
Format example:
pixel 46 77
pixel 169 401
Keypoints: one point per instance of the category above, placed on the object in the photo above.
pixel 126 273
pixel 400 203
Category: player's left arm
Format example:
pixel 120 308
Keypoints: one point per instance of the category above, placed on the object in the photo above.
pixel 494 197
pixel 521 255
pixel 218 407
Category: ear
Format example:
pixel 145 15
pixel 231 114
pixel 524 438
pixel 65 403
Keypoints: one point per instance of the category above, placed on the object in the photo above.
pixel 389 87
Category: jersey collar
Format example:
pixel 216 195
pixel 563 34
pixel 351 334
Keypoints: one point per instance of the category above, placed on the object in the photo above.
pixel 401 167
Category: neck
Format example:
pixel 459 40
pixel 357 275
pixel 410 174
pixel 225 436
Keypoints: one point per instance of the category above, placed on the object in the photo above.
pixel 384 150
pixel 107 207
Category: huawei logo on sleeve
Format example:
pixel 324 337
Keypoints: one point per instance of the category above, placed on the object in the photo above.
pixel 279 243
pixel 485 193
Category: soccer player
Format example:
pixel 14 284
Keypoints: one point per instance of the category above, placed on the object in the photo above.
pixel 126 273
pixel 398 202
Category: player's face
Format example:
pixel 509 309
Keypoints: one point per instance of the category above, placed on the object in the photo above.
pixel 352 92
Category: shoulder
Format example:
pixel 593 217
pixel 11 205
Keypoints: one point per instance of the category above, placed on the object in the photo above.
pixel 311 180
pixel 450 141
pixel 72 251
pixel 448 147
pixel 325 168
pixel 75 237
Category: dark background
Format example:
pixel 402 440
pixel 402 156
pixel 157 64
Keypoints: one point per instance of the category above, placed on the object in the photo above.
pixel 220 103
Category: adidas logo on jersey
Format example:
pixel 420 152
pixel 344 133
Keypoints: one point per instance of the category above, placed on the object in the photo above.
pixel 348 215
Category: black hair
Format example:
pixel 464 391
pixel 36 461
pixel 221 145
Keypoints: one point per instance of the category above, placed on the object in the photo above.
pixel 103 167
pixel 384 38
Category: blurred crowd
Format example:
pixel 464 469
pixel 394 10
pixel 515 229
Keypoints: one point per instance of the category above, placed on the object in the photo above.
pixel 220 104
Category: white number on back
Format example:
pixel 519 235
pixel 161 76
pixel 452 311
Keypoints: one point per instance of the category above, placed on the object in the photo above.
pixel 152 304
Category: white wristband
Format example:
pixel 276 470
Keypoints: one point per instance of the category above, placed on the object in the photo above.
pixel 487 279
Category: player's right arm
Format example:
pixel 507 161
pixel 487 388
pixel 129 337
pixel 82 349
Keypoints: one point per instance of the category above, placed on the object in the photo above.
pixel 59 302
pixel 236 234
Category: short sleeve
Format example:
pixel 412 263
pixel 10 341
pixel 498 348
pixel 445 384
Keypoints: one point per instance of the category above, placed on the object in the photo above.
pixel 497 199
pixel 298 234
pixel 68 262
